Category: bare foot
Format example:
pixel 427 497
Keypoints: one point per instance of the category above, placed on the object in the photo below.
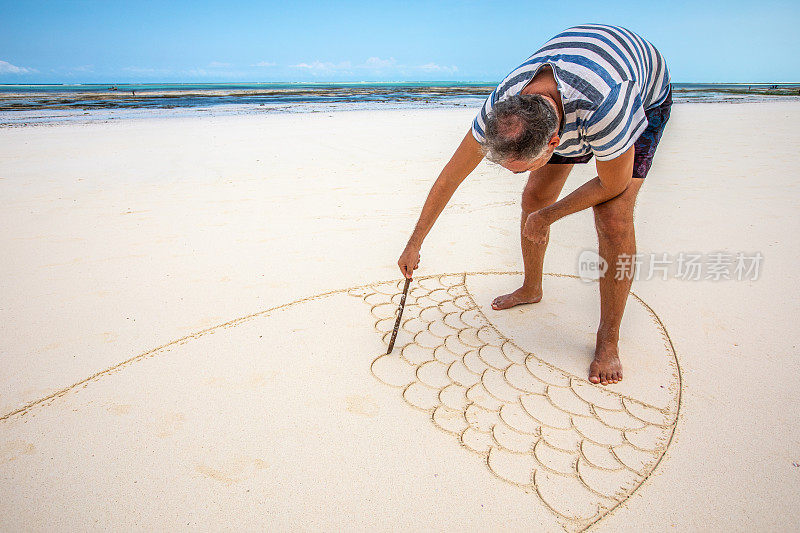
pixel 519 296
pixel 606 367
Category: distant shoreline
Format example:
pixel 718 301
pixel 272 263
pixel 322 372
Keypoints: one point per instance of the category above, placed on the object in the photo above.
pixel 35 104
pixel 357 83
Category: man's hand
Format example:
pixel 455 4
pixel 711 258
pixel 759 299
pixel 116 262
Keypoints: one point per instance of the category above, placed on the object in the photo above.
pixel 409 260
pixel 536 228
pixel 464 160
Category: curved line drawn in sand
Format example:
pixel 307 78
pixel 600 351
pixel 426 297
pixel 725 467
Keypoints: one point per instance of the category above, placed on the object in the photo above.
pixel 580 449
pixel 48 400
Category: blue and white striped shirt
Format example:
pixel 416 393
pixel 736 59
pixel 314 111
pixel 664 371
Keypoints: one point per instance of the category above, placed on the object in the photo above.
pixel 607 77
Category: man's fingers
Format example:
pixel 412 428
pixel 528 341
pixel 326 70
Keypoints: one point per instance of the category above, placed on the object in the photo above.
pixel 409 261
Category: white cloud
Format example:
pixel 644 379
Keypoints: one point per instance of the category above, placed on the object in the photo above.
pixel 147 70
pixel 8 68
pixel 372 65
pixel 83 68
pixel 433 67
pixel 194 72
pixel 378 63
pixel 326 67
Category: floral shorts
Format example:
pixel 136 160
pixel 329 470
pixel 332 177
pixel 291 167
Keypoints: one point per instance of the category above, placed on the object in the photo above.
pixel 645 146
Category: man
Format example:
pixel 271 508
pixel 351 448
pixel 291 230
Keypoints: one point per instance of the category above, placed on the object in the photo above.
pixel 593 90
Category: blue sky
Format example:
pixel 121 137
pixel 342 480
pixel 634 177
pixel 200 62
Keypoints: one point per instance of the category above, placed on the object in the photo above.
pixel 248 41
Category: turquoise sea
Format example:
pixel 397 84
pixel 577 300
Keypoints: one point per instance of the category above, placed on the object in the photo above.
pixel 32 104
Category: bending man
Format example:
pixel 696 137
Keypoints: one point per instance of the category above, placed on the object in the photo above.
pixel 593 90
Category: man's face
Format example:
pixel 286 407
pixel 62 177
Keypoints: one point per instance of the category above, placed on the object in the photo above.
pixel 519 166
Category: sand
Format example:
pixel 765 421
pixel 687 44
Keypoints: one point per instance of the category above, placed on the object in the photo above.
pixel 190 337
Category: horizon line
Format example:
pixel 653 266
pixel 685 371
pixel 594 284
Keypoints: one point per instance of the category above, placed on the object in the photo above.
pixel 334 82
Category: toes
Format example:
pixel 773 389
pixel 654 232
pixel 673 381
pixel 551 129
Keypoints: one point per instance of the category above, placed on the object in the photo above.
pixel 599 375
pixel 594 375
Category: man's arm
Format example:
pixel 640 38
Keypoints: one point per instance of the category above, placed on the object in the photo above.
pixel 464 160
pixel 613 177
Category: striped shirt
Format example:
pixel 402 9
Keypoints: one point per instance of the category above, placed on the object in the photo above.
pixel 607 77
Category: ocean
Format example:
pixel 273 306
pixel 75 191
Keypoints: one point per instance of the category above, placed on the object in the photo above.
pixel 42 104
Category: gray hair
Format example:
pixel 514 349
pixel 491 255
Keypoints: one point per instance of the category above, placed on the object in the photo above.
pixel 519 127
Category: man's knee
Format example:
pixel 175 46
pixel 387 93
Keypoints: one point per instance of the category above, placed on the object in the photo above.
pixel 534 199
pixel 543 187
pixel 614 226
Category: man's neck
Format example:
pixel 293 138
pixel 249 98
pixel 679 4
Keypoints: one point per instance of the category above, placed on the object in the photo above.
pixel 544 83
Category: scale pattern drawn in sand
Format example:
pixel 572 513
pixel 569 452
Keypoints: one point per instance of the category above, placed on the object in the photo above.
pixel 581 449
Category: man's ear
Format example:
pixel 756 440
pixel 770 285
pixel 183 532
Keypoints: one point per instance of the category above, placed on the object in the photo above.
pixel 554 141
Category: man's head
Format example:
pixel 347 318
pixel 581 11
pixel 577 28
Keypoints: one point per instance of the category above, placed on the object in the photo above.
pixel 522 132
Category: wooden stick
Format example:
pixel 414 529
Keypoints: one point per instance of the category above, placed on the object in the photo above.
pixel 399 316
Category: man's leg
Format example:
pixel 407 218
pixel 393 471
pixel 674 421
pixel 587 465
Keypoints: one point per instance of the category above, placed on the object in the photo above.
pixel 615 233
pixel 543 187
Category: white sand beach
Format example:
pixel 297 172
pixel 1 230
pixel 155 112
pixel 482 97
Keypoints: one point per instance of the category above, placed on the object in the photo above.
pixel 194 312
